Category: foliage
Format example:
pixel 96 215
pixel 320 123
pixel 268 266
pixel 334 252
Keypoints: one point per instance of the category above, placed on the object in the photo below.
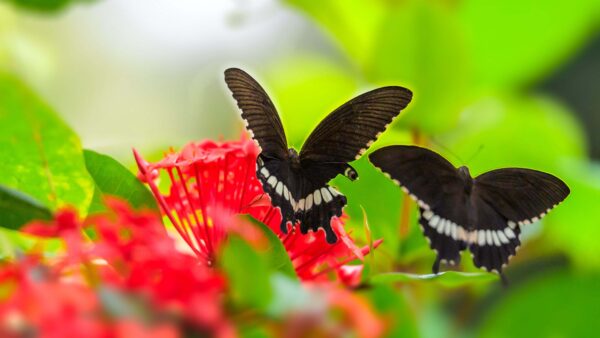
pixel 46 6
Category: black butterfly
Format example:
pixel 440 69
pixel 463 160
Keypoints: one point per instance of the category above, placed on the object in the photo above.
pixel 297 183
pixel 483 214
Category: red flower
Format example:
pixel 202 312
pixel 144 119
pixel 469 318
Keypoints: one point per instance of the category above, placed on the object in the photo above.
pixel 65 225
pixel 211 182
pixel 132 256
pixel 39 302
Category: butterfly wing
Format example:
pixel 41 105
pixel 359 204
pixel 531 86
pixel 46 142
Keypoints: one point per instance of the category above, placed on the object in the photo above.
pixel 348 131
pixel 434 183
pixel 259 113
pixel 506 199
pixel 340 138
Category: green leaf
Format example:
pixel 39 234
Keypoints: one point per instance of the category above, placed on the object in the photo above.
pixel 514 42
pixel 46 5
pixel 446 278
pixel 18 209
pixel 113 179
pixel 248 272
pixel 275 253
pixel 557 305
pixel 43 156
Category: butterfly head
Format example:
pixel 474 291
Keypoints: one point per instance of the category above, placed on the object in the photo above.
pixel 294 158
pixel 466 176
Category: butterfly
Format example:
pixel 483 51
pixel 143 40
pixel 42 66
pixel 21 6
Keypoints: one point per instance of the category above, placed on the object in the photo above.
pixel 483 214
pixel 297 182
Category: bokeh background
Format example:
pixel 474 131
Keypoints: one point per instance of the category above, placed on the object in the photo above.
pixel 496 84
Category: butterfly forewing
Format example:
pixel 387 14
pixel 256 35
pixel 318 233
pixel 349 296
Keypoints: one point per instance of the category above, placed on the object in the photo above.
pixel 259 113
pixel 520 195
pixel 350 129
pixel 420 172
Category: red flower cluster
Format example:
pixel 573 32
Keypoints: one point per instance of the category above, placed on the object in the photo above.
pixel 211 182
pixel 122 275
pixel 130 273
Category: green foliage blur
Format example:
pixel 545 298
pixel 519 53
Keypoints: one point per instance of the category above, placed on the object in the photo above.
pixel 472 66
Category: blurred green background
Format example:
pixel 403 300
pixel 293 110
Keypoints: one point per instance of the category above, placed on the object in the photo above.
pixel 496 84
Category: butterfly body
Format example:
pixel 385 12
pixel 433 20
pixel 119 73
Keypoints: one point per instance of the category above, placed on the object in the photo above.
pixel 457 212
pixel 297 182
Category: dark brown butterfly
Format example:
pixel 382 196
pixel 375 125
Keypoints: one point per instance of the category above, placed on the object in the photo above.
pixel 297 182
pixel 483 214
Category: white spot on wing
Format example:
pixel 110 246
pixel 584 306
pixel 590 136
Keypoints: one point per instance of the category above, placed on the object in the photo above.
pixel 309 201
pixel 334 192
pixel 495 238
pixel 448 228
pixel 317 196
pixel 481 237
pixel 265 172
pixel 502 237
pixel 434 221
pixel 509 233
pixel 279 188
pixel 272 181
pixel 326 195
pixel 286 195
pixel 488 236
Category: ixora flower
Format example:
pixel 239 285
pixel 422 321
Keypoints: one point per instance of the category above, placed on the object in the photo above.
pixel 210 182
pixel 128 280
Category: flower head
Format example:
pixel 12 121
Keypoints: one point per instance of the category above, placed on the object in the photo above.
pixel 211 182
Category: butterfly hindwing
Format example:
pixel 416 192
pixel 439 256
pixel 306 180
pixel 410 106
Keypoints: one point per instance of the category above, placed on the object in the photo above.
pixel 312 203
pixel 259 113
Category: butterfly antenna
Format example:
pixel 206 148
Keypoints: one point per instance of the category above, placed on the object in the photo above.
pixel 446 149
pixel 475 153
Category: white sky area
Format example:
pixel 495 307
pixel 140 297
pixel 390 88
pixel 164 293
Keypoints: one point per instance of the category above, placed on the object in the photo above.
pixel 126 74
